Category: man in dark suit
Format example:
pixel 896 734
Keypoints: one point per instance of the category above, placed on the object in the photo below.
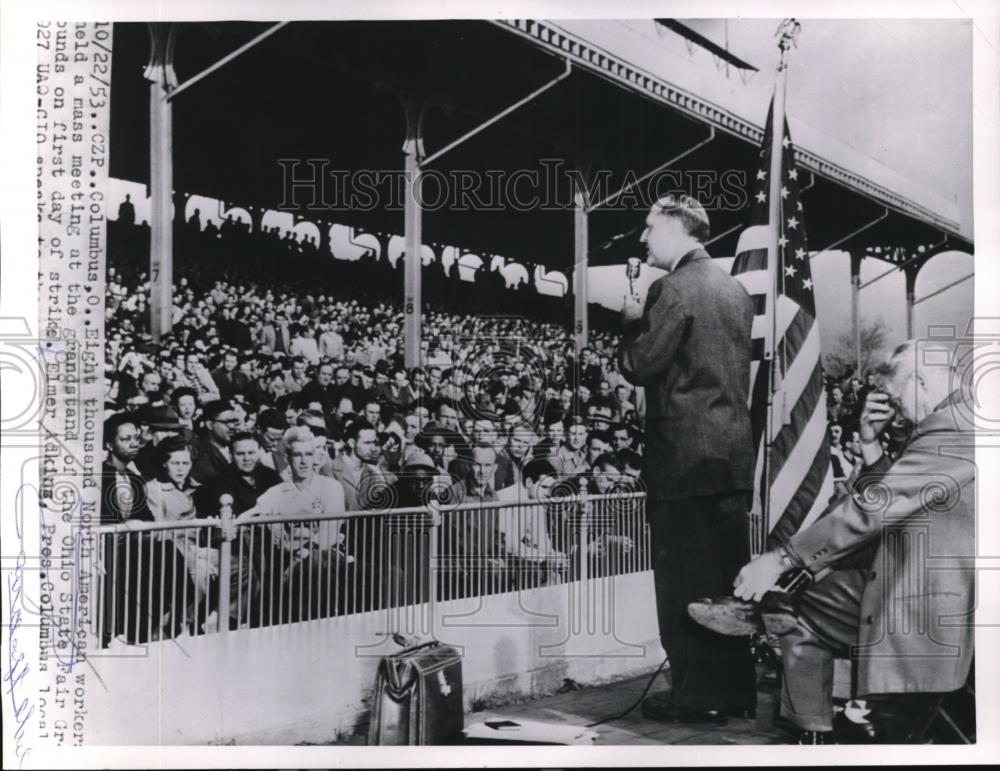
pixel 245 480
pixel 212 447
pixel 321 389
pixel 689 347
pixel 229 379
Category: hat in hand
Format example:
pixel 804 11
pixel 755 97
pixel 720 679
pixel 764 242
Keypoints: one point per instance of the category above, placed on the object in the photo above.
pixel 738 618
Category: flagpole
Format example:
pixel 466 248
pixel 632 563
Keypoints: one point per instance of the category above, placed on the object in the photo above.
pixel 786 34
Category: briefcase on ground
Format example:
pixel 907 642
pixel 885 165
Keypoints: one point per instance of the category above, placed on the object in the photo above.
pixel 418 697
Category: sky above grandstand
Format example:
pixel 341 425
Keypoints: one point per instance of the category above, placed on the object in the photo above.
pixel 897 90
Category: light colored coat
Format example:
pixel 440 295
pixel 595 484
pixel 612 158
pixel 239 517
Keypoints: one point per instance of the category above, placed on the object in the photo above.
pixel 916 632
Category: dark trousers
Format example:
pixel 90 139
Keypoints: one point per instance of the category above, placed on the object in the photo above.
pixel 699 545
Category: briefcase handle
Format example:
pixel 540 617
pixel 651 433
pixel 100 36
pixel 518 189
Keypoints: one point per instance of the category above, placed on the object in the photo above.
pixel 412 643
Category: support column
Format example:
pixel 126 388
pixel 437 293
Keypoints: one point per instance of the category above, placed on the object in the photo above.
pixel 413 151
pixel 160 74
pixel 856 258
pixel 581 294
pixel 911 296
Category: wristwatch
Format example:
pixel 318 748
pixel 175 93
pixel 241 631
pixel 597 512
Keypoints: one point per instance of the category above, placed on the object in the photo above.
pixel 796 576
pixel 790 559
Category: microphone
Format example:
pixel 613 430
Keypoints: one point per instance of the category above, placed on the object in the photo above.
pixel 632 271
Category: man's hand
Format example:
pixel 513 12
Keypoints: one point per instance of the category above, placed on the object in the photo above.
pixel 758 577
pixel 631 309
pixel 875 414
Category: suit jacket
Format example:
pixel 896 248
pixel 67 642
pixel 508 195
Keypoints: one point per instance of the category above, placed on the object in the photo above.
pixel 367 488
pixel 230 383
pixel 507 471
pixel 567 462
pixel 691 353
pixel 235 333
pixel 230 482
pixel 314 392
pixel 209 463
pixel 916 632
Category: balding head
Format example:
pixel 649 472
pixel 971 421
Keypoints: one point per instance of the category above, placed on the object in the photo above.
pixel 918 376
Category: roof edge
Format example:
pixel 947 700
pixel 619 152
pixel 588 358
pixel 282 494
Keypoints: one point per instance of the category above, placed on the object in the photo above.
pixel 606 64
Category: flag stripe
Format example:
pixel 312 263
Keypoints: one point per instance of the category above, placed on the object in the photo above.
pixel 788 311
pixel 753 238
pixel 792 475
pixel 754 367
pixel 756 282
pixel 760 328
pixel 750 260
pixel 795 515
pixel 825 494
pixel 758 397
pixel 806 354
pixel 787 434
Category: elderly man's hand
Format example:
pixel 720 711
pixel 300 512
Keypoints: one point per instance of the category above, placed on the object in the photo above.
pixel 758 577
pixel 875 414
pixel 631 309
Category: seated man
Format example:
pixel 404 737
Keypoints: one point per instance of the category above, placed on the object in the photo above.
pixel 211 450
pixel 472 549
pixel 908 626
pixel 405 558
pixel 244 480
pixel 534 561
pixel 308 560
pixel 611 517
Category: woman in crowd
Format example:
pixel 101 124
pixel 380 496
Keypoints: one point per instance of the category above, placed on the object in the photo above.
pixel 170 497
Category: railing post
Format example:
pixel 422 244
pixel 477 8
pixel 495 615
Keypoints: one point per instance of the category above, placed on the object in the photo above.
pixel 225 559
pixel 433 569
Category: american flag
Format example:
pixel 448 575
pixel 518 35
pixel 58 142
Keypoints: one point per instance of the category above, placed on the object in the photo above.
pixel 785 338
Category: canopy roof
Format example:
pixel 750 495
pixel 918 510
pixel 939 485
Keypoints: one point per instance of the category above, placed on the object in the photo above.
pixel 335 91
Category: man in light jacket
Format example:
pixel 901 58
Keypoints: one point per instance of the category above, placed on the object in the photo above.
pixel 904 613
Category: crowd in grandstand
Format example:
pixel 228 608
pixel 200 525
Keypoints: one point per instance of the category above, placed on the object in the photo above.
pixel 274 402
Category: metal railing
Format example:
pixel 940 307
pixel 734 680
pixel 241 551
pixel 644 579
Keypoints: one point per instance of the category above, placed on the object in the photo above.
pixel 159 580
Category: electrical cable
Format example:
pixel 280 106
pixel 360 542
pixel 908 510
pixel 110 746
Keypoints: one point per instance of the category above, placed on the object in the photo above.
pixel 638 701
